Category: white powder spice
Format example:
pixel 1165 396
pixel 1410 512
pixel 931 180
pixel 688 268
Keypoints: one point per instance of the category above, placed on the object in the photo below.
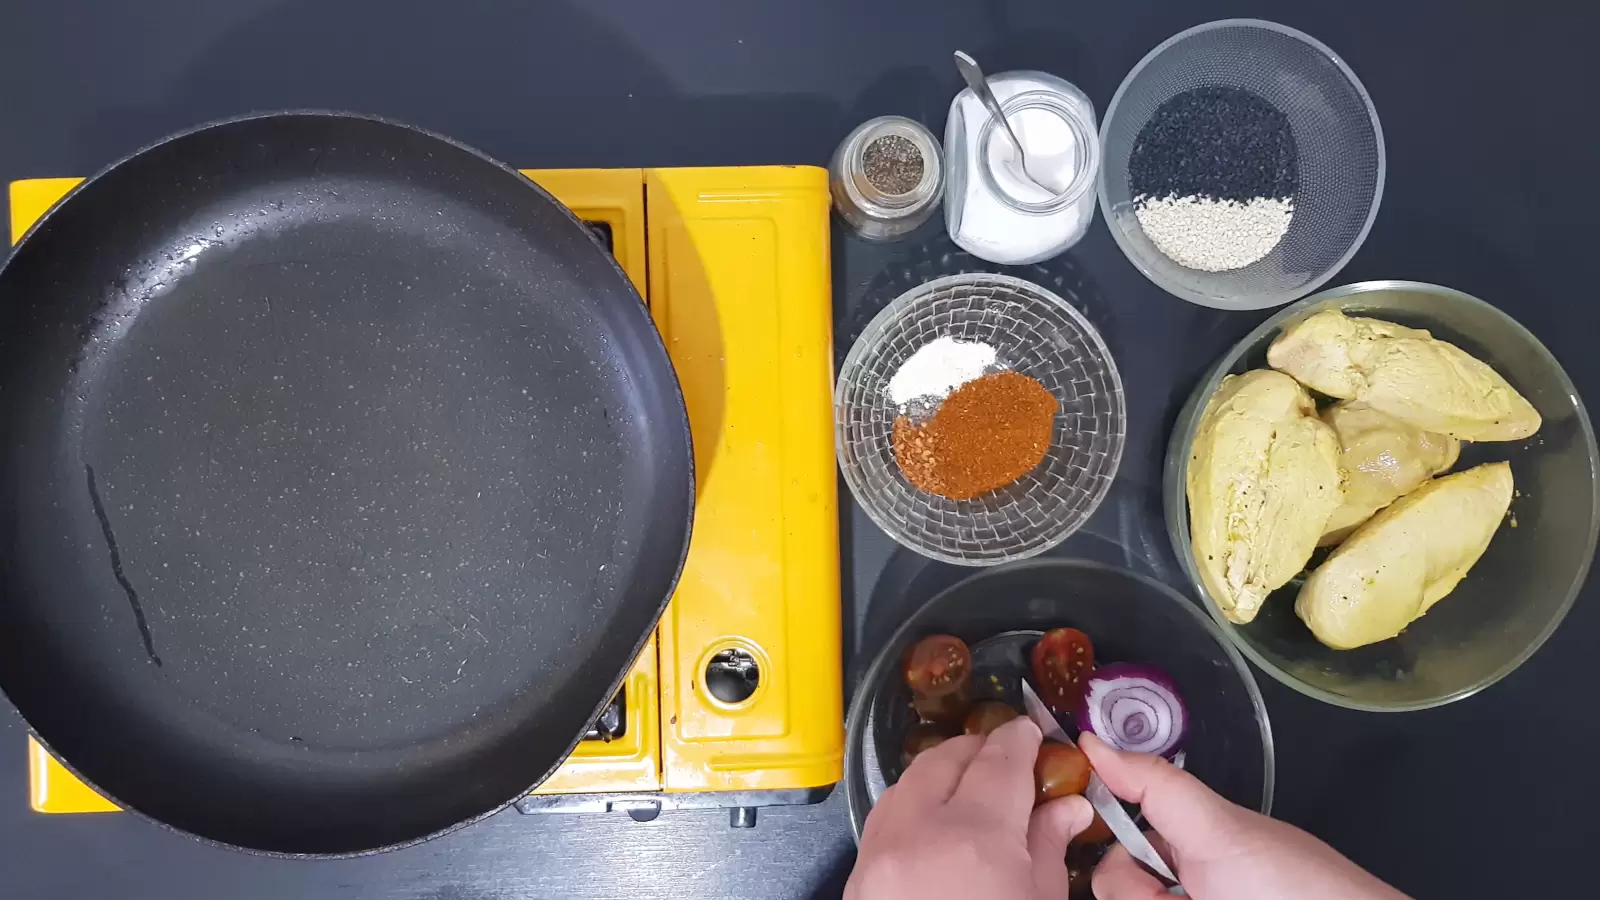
pixel 1214 235
pixel 939 367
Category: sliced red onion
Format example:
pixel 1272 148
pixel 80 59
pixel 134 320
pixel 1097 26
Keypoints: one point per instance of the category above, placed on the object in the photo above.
pixel 1134 707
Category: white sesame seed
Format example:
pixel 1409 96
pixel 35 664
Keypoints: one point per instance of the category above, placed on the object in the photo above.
pixel 1214 235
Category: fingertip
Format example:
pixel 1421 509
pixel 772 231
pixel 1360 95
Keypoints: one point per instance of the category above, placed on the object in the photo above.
pixel 1019 726
pixel 1000 775
pixel 1016 740
pixel 1082 809
pixel 1118 877
pixel 1051 828
pixel 1112 765
pixel 1175 802
pixel 1105 757
pixel 1096 748
pixel 1018 737
pixel 932 777
pixel 1066 817
pixel 955 747
pixel 1127 774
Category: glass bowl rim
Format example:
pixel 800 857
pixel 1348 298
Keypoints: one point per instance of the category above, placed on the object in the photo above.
pixel 1176 505
pixel 866 688
pixel 1258 301
pixel 898 307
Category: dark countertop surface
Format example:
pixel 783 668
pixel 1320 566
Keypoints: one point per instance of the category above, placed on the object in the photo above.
pixel 1490 188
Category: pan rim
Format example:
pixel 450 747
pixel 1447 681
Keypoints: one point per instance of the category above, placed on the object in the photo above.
pixel 679 424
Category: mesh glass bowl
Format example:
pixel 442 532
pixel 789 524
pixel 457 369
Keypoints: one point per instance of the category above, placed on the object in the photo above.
pixel 1338 141
pixel 1034 332
pixel 1515 595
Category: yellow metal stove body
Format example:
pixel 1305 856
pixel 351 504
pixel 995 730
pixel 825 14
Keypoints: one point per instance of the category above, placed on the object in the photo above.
pixel 736 701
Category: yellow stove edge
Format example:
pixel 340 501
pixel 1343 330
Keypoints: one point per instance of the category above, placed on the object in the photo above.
pixel 734 264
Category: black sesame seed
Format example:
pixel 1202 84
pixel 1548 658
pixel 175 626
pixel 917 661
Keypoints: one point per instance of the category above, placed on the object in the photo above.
pixel 1220 143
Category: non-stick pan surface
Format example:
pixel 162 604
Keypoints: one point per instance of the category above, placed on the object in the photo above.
pixel 342 475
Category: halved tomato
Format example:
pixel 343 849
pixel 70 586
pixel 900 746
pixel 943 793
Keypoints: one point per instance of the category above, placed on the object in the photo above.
pixel 1062 659
pixel 937 665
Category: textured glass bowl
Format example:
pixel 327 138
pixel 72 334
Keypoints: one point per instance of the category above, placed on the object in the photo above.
pixel 1034 332
pixel 1520 589
pixel 1129 617
pixel 1338 140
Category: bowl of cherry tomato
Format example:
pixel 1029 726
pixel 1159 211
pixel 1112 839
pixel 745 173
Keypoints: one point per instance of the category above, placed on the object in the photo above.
pixel 1108 650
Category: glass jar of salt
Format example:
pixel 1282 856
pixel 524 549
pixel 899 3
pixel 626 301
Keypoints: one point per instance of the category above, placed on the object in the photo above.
pixel 996 210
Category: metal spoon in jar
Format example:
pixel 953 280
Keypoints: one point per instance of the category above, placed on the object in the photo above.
pixel 974 77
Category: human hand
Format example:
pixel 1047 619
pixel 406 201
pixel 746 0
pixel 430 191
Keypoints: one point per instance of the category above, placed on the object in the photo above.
pixel 960 823
pixel 1220 851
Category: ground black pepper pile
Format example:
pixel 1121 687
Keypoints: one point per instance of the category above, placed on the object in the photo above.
pixel 892 164
pixel 1220 143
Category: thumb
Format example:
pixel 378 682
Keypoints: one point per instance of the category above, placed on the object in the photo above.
pixel 1050 829
pixel 1195 820
pixel 1118 877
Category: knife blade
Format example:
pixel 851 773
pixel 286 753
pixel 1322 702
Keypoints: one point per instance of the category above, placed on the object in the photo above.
pixel 1099 796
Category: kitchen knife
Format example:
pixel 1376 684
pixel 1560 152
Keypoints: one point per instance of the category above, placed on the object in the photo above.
pixel 1100 797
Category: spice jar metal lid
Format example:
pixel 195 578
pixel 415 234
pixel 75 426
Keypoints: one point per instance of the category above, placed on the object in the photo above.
pixel 889 168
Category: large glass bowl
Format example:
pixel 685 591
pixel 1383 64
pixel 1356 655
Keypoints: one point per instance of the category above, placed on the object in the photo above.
pixel 1520 589
pixel 1339 147
pixel 1129 617
pixel 1033 332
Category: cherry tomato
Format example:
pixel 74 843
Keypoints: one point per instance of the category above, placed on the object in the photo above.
pixel 937 665
pixel 987 715
pixel 938 669
pixel 921 738
pixel 945 709
pixel 1062 659
pixel 1098 832
pixel 1059 771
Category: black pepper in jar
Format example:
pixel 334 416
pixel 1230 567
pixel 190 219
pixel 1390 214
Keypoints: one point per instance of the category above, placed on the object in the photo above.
pixel 886 177
pixel 892 164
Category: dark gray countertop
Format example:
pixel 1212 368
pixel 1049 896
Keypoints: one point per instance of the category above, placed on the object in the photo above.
pixel 1485 111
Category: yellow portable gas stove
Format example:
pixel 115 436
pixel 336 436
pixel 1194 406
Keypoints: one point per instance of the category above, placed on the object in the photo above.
pixel 737 699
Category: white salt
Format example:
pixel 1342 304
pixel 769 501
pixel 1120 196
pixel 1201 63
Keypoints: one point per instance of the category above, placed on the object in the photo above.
pixel 939 367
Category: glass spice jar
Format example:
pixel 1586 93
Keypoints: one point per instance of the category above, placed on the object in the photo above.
pixel 886 177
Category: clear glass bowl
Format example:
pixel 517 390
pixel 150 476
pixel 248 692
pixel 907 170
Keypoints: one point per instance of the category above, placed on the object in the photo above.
pixel 1338 139
pixel 1129 617
pixel 1034 332
pixel 1520 589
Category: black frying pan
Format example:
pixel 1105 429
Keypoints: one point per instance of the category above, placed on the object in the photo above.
pixel 342 476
